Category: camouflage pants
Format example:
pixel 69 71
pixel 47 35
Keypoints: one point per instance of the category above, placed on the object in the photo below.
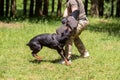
pixel 75 38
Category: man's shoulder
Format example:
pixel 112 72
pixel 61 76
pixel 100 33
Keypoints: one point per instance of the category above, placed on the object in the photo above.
pixel 72 1
pixel 75 2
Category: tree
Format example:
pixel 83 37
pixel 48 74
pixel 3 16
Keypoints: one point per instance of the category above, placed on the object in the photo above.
pixel 7 8
pixel 52 11
pixel 112 7
pixel 38 8
pixel 45 8
pixel 101 7
pixel 13 8
pixel 94 8
pixel 31 8
pixel 24 7
pixel 118 9
pixel 86 6
pixel 1 7
pixel 59 13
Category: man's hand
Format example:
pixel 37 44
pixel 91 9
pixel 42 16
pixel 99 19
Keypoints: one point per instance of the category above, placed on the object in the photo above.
pixel 72 22
pixel 64 20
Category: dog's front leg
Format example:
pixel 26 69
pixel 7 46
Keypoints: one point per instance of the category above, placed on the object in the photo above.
pixel 64 58
pixel 67 63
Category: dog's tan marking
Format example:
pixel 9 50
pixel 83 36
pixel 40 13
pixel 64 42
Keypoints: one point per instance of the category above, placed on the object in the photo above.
pixel 67 63
pixel 37 57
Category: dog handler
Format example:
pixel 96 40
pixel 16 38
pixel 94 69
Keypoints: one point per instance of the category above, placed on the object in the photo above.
pixel 75 10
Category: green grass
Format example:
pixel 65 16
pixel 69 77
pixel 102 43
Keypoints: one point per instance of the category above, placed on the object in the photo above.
pixel 102 39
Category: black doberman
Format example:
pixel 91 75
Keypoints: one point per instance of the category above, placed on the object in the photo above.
pixel 53 41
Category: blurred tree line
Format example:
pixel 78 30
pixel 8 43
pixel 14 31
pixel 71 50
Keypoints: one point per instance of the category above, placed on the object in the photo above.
pixel 97 8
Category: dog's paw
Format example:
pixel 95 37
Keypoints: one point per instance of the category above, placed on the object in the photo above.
pixel 68 64
pixel 39 59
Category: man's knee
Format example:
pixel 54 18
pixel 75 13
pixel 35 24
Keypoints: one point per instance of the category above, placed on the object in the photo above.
pixel 83 24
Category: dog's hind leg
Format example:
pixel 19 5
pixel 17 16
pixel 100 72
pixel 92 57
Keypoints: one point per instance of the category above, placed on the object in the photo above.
pixel 34 54
pixel 35 51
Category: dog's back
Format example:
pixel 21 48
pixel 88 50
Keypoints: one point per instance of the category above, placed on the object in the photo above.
pixel 50 40
pixel 43 40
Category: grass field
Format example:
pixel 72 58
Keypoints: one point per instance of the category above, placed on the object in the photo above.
pixel 102 39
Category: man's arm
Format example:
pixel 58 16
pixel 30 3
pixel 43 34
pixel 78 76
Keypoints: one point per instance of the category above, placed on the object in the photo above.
pixel 64 19
pixel 75 12
pixel 72 18
pixel 65 12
